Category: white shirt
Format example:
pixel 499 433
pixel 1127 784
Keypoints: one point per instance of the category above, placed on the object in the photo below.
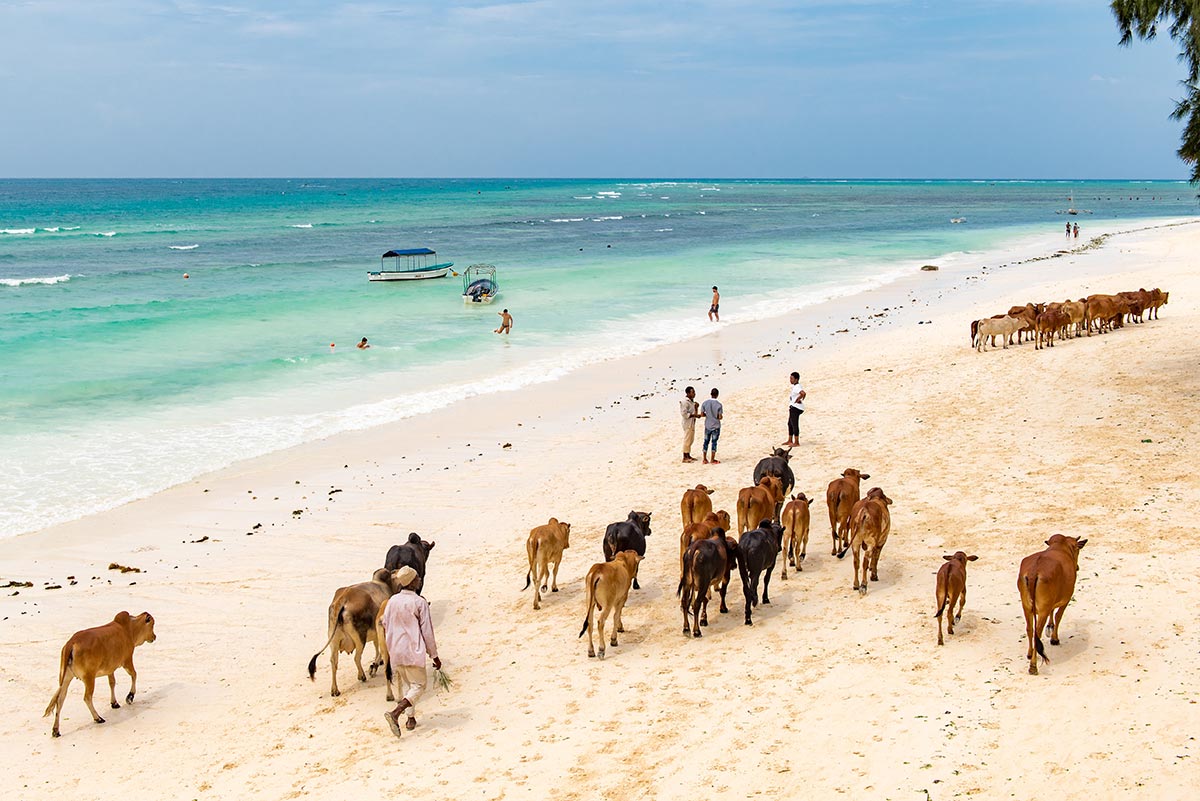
pixel 408 629
pixel 794 397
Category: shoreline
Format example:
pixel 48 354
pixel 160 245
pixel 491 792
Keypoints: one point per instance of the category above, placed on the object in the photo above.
pixel 989 452
pixel 828 308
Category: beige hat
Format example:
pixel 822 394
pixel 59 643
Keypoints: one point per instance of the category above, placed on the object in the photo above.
pixel 405 576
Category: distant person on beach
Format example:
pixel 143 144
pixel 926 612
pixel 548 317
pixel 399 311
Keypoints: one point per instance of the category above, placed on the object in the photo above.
pixel 796 395
pixel 714 309
pixel 505 323
pixel 713 412
pixel 1068 229
pixel 1076 230
pixel 689 411
pixel 408 629
pixel 363 345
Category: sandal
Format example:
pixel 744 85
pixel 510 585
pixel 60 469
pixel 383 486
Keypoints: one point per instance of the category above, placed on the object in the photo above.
pixel 393 724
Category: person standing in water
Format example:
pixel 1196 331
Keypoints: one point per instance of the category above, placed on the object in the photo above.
pixel 505 322
pixel 714 309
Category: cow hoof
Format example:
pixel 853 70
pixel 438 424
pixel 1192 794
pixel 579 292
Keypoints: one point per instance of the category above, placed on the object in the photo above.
pixel 115 705
pixel 1033 670
pixel 591 654
pixel 940 640
pixel 766 601
pixel 362 679
pixel 54 733
pixel 792 562
pixel 703 622
pixel 874 577
pixel 601 656
pixel 129 698
pixel 99 720
pixel 334 693
pixel 1054 642
pixel 749 623
pixel 553 589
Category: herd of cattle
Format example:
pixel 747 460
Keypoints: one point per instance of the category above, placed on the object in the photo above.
pixel 1042 322
pixel 708 555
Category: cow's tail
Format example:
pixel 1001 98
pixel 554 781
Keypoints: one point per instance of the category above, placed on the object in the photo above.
pixel 333 630
pixel 684 591
pixel 974 331
pixel 531 547
pixel 64 664
pixel 1031 586
pixel 591 602
pixel 944 599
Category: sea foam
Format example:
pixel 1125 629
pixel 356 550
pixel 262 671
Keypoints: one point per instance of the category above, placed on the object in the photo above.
pixel 47 279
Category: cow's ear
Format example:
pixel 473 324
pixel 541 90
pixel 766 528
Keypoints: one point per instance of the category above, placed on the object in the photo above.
pixel 948 557
pixel 864 475
pixel 710 492
pixel 1082 542
pixel 810 500
pixel 430 545
pixel 1047 542
pixel 972 558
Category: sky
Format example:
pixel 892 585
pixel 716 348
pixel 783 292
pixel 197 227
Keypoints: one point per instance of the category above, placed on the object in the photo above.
pixel 583 88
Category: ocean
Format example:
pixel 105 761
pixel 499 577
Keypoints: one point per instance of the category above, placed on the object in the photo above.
pixel 119 377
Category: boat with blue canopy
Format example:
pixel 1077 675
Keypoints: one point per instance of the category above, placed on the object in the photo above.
pixel 411 264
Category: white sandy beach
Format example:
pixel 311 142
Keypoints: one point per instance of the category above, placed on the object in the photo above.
pixel 828 694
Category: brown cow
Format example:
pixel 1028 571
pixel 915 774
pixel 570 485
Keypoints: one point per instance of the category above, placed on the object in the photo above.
pixel 607 585
pixel 759 503
pixel 1158 299
pixel 545 546
pixel 1074 309
pixel 840 497
pixel 695 504
pixel 702 530
pixel 99 652
pixel 1049 323
pixel 1046 582
pixel 795 520
pixel 871 523
pixel 952 588
pixel 352 615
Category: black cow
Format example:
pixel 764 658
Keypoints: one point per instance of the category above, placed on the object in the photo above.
pixel 628 535
pixel 758 548
pixel 414 554
pixel 777 465
pixel 705 562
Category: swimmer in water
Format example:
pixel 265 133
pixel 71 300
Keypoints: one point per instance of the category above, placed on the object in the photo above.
pixel 363 345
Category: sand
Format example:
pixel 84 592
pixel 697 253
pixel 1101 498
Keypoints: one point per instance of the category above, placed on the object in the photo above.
pixel 828 694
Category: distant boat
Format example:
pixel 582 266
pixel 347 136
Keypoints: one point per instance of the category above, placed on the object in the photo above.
pixel 413 264
pixel 480 284
pixel 958 219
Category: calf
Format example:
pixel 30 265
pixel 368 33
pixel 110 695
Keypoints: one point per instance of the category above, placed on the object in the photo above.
pixel 795 520
pixel 99 652
pixel 607 586
pixel 952 588
pixel 695 505
pixel 414 554
pixel 628 535
pixel 352 615
pixel 840 497
pixel 758 550
pixel 1046 582
pixel 545 546
pixel 758 502
pixel 707 564
pixel 1158 299
pixel 871 524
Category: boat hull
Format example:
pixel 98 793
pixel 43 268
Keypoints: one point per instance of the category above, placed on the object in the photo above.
pixel 473 300
pixel 407 275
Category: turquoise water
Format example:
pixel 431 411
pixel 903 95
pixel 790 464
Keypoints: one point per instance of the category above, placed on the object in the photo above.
pixel 120 377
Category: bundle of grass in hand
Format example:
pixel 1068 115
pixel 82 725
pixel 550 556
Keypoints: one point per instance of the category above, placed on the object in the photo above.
pixel 443 679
